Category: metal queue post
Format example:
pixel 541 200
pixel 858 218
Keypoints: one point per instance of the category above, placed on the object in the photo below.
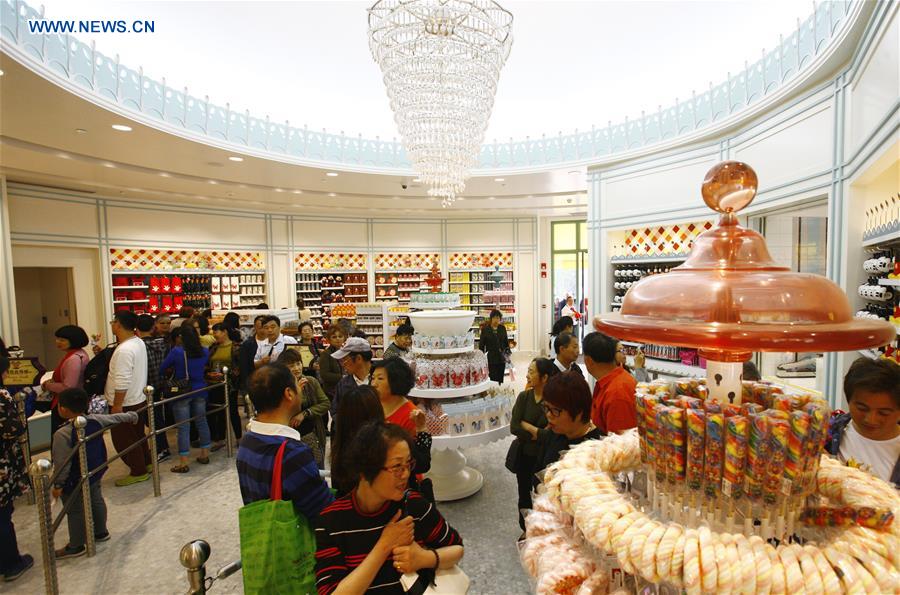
pixel 43 475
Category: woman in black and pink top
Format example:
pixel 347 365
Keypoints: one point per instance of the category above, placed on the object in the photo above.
pixel 380 530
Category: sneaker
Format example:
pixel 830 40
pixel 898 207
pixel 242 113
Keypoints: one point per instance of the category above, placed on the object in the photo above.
pixel 26 563
pixel 70 552
pixel 131 479
pixel 163 455
pixel 102 537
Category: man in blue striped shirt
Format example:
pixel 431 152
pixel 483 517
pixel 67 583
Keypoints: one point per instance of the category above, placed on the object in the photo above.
pixel 277 399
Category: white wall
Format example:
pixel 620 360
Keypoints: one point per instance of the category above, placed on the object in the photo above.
pixel 66 228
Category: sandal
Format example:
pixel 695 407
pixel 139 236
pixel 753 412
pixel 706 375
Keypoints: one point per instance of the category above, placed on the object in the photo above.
pixel 180 469
pixel 217 446
pixel 203 460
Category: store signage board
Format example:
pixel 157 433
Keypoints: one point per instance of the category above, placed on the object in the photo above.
pixel 23 372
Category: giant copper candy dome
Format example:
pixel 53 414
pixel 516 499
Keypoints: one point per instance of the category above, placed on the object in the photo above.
pixel 730 298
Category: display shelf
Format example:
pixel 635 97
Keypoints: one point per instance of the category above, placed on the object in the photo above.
pixel 137 273
pixel 437 306
pixel 443 442
pixel 452 393
pixel 648 259
pixel 479 270
pixel 250 294
pixel 336 288
pixel 889 282
pixel 669 368
pixel 131 301
pixel 883 240
pixel 443 351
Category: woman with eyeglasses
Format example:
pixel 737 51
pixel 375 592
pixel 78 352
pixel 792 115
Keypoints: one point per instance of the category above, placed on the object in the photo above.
pixel 527 421
pixel 381 530
pixel 567 406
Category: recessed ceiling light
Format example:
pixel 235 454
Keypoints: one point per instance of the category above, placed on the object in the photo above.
pixel 279 190
pixel 332 194
pixel 108 164
pixel 331 174
pixel 2 73
pixel 297 191
pixel 212 182
pixel 491 198
pixel 81 131
pixel 63 155
pixel 164 174
pixel 417 179
pixel 499 179
pixel 121 127
pixel 235 158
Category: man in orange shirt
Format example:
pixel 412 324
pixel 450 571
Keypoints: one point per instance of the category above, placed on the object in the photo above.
pixel 613 408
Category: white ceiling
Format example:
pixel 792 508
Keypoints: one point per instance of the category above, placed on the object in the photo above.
pixel 40 143
pixel 573 64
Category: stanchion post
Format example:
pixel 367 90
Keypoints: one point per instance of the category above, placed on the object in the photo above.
pixel 88 512
pixel 193 557
pixel 229 438
pixel 40 477
pixel 151 422
pixel 25 440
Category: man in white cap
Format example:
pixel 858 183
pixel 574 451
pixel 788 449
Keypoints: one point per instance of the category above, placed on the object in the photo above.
pixel 356 359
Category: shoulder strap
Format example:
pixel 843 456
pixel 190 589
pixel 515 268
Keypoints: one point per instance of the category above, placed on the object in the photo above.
pixel 187 372
pixel 275 490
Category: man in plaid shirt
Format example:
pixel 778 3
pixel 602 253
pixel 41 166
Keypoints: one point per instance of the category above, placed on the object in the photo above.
pixel 157 349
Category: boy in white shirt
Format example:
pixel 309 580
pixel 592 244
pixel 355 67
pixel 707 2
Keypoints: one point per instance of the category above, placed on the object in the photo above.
pixel 869 436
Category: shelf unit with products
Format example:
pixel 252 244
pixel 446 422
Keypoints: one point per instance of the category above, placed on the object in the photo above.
pixel 470 276
pixel 164 281
pixel 638 252
pixel 880 294
pixel 323 279
pixel 399 275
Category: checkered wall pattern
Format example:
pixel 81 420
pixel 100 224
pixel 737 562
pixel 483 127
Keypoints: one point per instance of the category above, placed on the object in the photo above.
pixel 323 261
pixel 399 261
pixel 481 260
pixel 140 259
pixel 664 240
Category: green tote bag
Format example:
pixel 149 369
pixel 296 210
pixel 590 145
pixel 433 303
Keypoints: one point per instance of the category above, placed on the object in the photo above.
pixel 278 547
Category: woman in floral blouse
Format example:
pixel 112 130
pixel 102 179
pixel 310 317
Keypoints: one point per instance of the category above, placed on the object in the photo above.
pixel 13 482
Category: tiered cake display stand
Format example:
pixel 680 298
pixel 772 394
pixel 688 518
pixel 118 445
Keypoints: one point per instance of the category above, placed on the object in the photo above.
pixel 723 487
pixel 453 479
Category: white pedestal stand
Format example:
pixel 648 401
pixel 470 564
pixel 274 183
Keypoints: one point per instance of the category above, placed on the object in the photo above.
pixel 452 478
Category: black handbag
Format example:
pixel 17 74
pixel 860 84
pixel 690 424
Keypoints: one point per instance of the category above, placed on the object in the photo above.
pixel 179 386
pixel 514 455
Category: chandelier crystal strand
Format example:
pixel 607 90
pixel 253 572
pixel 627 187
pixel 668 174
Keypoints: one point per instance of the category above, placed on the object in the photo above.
pixel 441 60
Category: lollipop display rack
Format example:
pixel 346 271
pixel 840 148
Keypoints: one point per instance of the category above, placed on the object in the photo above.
pixel 723 486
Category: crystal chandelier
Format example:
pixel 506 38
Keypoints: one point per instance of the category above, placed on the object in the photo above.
pixel 441 60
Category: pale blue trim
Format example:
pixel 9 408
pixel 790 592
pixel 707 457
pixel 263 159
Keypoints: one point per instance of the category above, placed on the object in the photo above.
pixel 81 69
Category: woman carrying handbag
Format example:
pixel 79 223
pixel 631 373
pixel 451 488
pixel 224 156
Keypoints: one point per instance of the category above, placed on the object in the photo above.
pixel 224 353
pixel 310 422
pixel 188 358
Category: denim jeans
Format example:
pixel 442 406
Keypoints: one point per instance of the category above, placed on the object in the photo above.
pixel 184 409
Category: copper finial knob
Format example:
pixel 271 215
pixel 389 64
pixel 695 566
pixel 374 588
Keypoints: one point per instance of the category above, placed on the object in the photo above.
pixel 729 187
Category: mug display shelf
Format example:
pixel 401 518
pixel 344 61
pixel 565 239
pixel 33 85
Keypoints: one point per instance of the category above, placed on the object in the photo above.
pixel 670 368
pixel 453 479
pixel 447 306
pixel 452 393
pixel 647 259
pixel 443 351
pixel 889 282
